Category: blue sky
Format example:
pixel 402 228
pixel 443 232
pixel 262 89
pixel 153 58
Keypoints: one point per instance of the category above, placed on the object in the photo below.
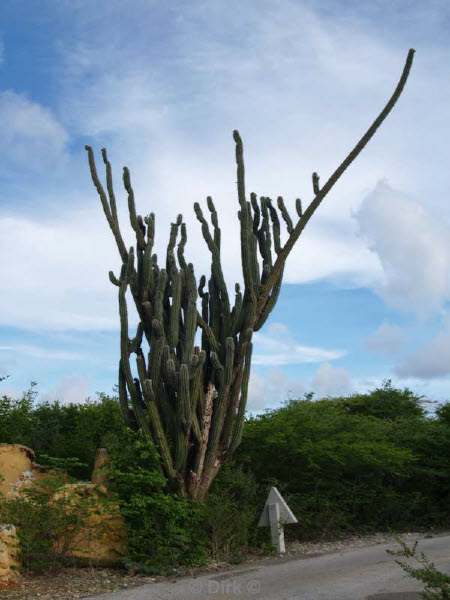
pixel 162 85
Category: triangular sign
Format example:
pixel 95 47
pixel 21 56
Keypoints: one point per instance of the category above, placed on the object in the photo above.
pixel 286 515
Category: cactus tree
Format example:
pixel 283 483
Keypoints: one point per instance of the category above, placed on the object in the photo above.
pixel 190 400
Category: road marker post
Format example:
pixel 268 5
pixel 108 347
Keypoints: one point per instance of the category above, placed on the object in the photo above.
pixel 276 513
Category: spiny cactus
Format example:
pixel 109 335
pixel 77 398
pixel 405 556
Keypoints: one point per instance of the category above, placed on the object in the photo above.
pixel 190 400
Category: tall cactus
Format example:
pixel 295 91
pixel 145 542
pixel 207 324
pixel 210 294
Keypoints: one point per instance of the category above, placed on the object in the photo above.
pixel 190 400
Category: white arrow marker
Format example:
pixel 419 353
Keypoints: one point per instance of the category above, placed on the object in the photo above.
pixel 276 513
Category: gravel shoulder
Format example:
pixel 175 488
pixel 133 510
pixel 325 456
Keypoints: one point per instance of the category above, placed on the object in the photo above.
pixel 70 583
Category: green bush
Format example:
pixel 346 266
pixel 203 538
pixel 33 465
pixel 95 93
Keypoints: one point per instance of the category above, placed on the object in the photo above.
pixel 164 531
pixel 232 510
pixel 346 467
pixel 437 584
pixel 62 431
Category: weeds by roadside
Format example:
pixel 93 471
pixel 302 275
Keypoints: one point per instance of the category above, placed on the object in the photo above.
pixel 437 584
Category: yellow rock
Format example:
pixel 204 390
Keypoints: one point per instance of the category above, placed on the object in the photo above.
pixel 100 473
pixel 16 466
pixel 103 536
pixel 9 556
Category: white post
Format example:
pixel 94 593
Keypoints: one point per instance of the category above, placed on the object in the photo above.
pixel 276 528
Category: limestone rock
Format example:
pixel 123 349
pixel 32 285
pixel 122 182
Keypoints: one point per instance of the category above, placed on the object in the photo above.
pixel 9 556
pixel 103 537
pixel 99 473
pixel 16 466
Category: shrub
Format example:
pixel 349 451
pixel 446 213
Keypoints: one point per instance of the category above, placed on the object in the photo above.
pixel 353 471
pixel 437 584
pixel 232 510
pixel 164 531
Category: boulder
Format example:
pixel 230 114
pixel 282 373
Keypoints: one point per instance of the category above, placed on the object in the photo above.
pixel 9 556
pixel 17 466
pixel 102 540
pixel 100 472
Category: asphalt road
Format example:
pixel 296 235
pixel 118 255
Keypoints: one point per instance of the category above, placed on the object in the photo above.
pixel 364 574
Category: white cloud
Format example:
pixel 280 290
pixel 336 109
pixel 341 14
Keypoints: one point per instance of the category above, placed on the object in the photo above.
pixel 271 389
pixel 386 339
pixel 430 361
pixel 31 136
pixel 42 352
pixel 331 381
pixel 71 389
pixel 278 347
pixel 413 248
pixel 59 276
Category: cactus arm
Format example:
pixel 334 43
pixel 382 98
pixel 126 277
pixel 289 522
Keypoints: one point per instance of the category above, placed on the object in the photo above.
pixel 239 421
pixel 215 252
pixel 281 259
pixel 113 223
pixel 180 247
pixel 132 209
pixel 235 388
pixel 275 225
pixel 125 361
pixel 270 303
pixel 123 397
pixel 315 182
pixel 161 439
pixel 246 220
pixel 285 214
pixel 215 222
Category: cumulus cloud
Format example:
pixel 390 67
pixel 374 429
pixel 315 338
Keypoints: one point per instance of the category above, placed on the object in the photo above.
pixel 278 347
pixel 71 389
pixel 331 381
pixel 412 246
pixel 32 137
pixel 430 361
pixel 59 276
pixel 271 389
pixel 386 339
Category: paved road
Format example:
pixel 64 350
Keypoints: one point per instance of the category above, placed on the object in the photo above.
pixel 364 574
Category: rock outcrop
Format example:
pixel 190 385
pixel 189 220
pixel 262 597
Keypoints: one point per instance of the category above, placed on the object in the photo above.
pixel 9 556
pixel 17 467
pixel 102 538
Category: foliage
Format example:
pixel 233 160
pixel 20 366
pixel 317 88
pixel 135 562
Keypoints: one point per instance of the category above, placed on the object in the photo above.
pixel 437 584
pixel 164 530
pixel 60 430
pixel 443 413
pixel 385 402
pixel 353 471
pixel 232 511
pixel 341 471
